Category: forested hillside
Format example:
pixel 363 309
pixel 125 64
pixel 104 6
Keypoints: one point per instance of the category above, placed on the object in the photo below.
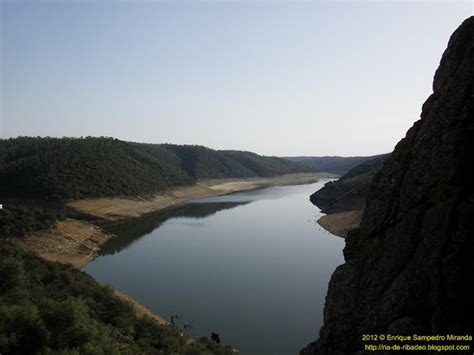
pixel 75 168
pixel 350 191
pixel 16 221
pixel 201 162
pixel 70 168
pixel 335 165
pixel 49 308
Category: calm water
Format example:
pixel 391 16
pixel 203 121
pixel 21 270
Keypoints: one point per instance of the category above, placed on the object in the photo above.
pixel 251 266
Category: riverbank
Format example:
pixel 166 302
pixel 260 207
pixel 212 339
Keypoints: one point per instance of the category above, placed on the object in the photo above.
pixel 123 208
pixel 70 241
pixel 77 242
pixel 187 260
pixel 341 223
pixel 140 309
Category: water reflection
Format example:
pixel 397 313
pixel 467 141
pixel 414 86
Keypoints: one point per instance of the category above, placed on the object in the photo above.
pixel 256 274
pixel 128 231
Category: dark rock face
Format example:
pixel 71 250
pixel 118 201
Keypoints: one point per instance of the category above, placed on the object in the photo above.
pixel 350 191
pixel 410 266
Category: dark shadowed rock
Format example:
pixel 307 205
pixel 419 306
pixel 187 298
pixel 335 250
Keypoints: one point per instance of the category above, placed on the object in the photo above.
pixel 410 267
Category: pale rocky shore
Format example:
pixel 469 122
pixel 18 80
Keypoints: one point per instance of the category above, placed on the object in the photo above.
pixel 122 208
pixel 77 242
pixel 341 223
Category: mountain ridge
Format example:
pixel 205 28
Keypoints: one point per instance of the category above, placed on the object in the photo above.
pixel 76 168
pixel 333 164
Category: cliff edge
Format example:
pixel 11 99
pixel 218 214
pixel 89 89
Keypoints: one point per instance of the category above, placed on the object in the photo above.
pixel 410 267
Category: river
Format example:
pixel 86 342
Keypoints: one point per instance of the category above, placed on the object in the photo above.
pixel 252 266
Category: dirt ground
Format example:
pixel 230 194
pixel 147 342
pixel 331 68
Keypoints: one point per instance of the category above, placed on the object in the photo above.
pixel 77 242
pixel 120 208
pixel 341 223
pixel 69 242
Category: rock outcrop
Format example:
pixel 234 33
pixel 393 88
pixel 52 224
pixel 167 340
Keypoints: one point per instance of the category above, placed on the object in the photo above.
pixel 409 267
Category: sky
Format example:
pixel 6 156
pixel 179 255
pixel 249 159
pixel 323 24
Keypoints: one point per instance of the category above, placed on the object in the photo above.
pixel 280 78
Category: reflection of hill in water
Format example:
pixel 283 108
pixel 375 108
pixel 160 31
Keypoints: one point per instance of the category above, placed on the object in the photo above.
pixel 130 230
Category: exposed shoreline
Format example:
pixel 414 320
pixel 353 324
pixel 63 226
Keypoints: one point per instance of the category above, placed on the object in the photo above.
pixel 112 209
pixel 70 242
pixel 140 309
pixel 341 223
pixel 77 242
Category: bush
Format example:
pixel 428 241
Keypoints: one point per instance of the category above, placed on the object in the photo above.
pixel 52 308
pixel 16 221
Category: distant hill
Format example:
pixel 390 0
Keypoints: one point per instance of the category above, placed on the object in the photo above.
pixel 75 168
pixel 335 165
pixel 201 163
pixel 71 168
pixel 350 191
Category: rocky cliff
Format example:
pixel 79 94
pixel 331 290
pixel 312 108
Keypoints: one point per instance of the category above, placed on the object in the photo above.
pixel 410 267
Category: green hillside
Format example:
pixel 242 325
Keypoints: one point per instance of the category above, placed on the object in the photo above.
pixel 49 308
pixel 70 168
pixel 332 164
pixel 201 163
pixel 15 221
pixel 75 168
pixel 350 191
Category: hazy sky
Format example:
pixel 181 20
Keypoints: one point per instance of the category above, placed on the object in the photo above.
pixel 277 78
